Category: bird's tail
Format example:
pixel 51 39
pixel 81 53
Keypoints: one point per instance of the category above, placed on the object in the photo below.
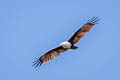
pixel 74 47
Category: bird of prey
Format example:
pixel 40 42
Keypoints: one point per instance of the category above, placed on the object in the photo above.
pixel 70 44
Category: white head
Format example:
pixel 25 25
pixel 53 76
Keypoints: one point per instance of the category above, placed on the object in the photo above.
pixel 65 44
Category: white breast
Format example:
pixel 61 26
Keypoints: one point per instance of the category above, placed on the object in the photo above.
pixel 65 44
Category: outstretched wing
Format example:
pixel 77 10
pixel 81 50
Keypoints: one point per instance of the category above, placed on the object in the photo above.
pixel 49 55
pixel 83 30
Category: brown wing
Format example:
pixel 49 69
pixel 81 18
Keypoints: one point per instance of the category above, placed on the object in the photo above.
pixel 83 30
pixel 49 55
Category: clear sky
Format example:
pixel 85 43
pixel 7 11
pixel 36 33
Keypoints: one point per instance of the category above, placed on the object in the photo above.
pixel 29 28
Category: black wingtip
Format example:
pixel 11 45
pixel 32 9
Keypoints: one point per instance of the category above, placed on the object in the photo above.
pixel 93 20
pixel 37 62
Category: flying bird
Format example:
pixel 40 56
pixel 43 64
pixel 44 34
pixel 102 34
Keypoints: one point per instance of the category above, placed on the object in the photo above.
pixel 70 44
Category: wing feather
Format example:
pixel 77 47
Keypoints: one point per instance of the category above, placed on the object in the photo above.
pixel 49 55
pixel 83 30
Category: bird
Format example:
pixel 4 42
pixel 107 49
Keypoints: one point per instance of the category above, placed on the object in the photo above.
pixel 66 45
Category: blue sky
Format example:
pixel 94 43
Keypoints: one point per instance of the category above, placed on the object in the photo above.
pixel 29 28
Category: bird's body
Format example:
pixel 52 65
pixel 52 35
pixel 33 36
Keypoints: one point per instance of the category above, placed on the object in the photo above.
pixel 70 44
